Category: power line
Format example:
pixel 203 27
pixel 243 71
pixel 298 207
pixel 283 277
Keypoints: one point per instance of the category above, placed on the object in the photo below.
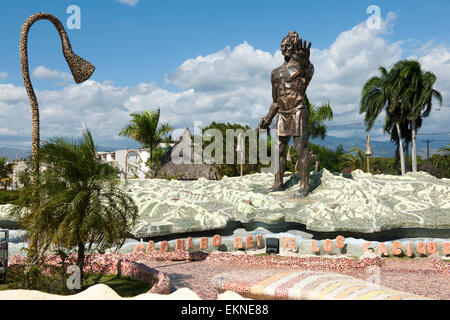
pixel 433 134
pixel 437 140
pixel 349 124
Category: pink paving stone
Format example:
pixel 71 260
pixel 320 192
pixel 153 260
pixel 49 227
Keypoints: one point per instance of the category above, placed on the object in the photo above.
pixel 421 276
pixel 282 291
pixel 426 281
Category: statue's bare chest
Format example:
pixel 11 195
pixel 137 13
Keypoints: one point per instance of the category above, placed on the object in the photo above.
pixel 289 77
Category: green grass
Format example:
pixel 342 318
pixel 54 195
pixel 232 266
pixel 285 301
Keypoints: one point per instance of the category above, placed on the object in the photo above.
pixel 124 286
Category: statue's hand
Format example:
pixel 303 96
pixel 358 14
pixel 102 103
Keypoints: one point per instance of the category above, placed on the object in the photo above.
pixel 303 51
pixel 263 124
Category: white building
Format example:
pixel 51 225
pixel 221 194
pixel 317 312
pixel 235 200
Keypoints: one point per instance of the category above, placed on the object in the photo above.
pixel 131 163
pixel 18 167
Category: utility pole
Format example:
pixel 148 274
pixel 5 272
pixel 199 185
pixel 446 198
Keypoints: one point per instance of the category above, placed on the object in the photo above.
pixel 428 154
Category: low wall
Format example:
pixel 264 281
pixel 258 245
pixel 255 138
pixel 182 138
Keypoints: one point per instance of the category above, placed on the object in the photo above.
pixel 298 245
pixel 139 271
pixel 112 264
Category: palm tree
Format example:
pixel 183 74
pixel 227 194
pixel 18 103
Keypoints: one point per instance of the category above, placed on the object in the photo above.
pixel 5 169
pixel 80 200
pixel 144 129
pixel 405 129
pixel 416 93
pixel 354 159
pixel 318 115
pixel 379 94
pixel 442 161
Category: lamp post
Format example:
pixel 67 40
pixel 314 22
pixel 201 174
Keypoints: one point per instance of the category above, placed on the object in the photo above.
pixel 369 153
pixel 80 68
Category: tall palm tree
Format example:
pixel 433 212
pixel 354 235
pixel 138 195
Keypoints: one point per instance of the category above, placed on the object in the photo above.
pixel 377 95
pixel 80 201
pixel 405 129
pixel 416 92
pixel 144 129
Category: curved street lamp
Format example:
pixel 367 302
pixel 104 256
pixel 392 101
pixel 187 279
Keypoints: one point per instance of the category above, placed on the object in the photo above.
pixel 80 68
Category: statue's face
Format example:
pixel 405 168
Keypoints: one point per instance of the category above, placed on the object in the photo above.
pixel 288 47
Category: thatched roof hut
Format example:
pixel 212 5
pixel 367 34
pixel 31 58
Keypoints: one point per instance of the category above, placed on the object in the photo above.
pixel 183 167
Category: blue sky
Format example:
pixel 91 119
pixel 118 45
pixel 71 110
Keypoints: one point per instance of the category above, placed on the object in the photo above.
pixel 166 53
pixel 141 43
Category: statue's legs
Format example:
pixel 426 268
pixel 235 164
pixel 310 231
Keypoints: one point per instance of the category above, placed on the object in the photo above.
pixel 304 157
pixel 282 145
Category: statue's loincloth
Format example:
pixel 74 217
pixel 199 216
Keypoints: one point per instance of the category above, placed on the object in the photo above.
pixel 290 121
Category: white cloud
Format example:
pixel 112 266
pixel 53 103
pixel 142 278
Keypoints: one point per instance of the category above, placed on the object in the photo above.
pixel 44 73
pixel 228 69
pixel 437 60
pixel 230 85
pixel 3 75
pixel 342 69
pixel 129 2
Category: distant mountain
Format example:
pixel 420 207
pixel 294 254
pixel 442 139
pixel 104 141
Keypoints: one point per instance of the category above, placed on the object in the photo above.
pixel 380 148
pixel 384 148
pixel 17 153
pixel 14 153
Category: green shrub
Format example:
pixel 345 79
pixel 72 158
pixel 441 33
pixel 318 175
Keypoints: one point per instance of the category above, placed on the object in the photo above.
pixel 44 278
pixel 8 197
pixel 52 279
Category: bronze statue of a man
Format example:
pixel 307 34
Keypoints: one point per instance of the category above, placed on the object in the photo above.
pixel 289 83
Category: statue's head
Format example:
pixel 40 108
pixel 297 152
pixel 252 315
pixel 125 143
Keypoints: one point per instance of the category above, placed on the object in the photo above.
pixel 289 45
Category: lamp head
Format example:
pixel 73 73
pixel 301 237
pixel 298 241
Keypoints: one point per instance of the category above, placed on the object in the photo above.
pixel 81 69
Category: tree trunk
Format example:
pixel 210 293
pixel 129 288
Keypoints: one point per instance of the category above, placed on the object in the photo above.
pixel 414 146
pixel 401 150
pixel 80 260
pixel 27 279
pixel 407 157
pixel 396 159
